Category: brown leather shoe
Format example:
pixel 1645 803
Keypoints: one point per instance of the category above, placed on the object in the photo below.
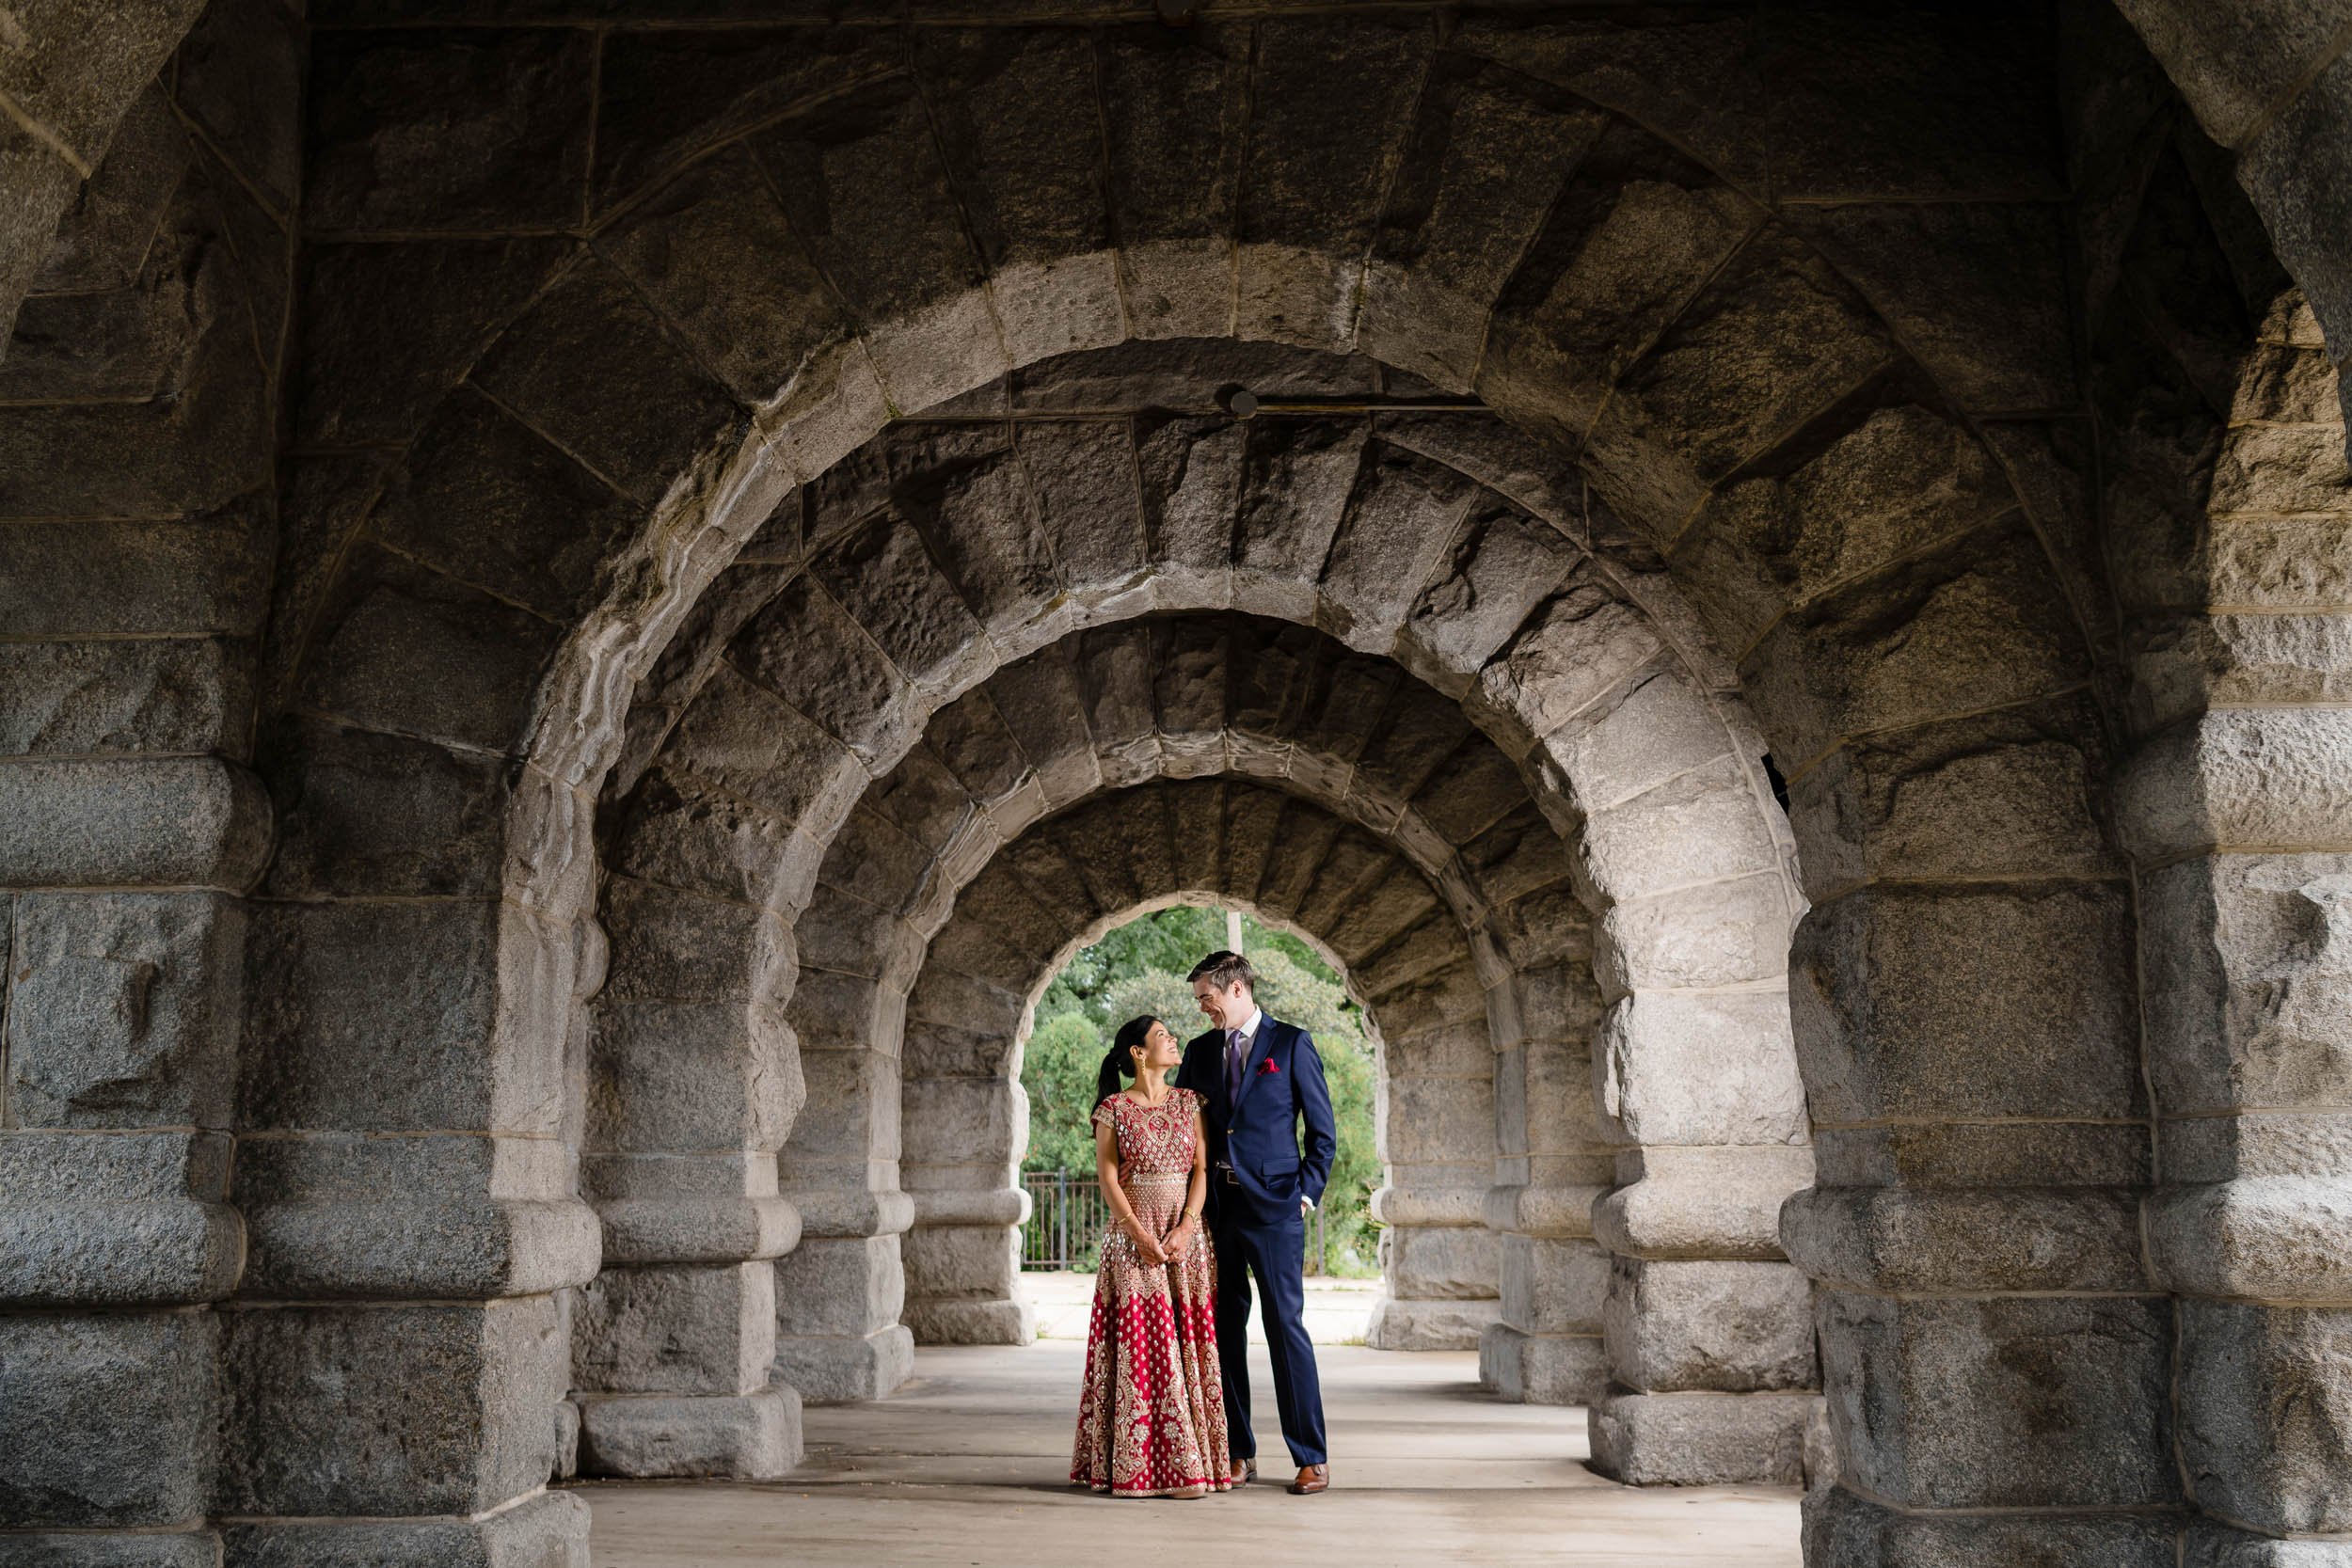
pixel 1312 1480
pixel 1245 1471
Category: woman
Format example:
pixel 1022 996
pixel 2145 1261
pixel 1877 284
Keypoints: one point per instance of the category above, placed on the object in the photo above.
pixel 1152 1413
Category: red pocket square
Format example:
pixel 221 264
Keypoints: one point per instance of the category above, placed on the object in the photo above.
pixel 1266 1068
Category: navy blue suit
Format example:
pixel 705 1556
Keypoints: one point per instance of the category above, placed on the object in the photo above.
pixel 1255 1222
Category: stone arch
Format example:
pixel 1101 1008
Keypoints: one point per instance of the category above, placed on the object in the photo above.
pixel 409 685
pixel 1201 697
pixel 1666 779
pixel 1443 1285
pixel 534 379
pixel 69 82
pixel 968 1294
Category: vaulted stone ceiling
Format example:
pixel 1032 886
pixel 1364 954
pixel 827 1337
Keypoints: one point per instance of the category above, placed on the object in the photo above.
pixel 1045 512
pixel 415 421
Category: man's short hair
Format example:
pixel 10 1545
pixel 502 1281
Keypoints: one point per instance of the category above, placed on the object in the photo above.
pixel 1221 969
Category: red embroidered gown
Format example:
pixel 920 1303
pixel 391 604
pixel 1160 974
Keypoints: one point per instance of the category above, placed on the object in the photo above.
pixel 1151 1414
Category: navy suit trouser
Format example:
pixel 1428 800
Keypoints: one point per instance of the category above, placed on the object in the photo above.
pixel 1273 1250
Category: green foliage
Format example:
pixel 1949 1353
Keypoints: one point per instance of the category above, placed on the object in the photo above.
pixel 1140 967
pixel 1057 1070
pixel 1308 997
pixel 1170 941
pixel 1165 996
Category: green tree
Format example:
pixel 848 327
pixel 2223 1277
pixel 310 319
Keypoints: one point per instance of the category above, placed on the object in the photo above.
pixel 1140 969
pixel 1308 997
pixel 1350 1236
pixel 1057 1070
pixel 1165 996
pixel 1171 940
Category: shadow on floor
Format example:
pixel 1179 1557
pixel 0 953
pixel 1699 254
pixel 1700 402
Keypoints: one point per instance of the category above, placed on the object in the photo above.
pixel 967 1465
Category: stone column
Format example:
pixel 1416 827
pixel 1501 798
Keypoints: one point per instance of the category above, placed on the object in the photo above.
pixel 1709 1332
pixel 1546 1348
pixel 1436 1119
pixel 1964 1005
pixel 136 528
pixel 117 1031
pixel 396 1369
pixel 2238 811
pixel 1972 1228
pixel 1707 1328
pixel 695 1080
pixel 967 1126
pixel 840 1293
pixel 2246 950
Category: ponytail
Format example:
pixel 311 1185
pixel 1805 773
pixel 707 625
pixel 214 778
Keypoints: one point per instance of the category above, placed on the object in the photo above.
pixel 1106 1081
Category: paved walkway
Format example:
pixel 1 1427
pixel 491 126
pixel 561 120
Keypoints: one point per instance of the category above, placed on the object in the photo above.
pixel 965 1466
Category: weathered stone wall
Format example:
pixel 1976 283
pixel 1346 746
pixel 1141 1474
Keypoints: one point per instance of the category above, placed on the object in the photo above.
pixel 1193 697
pixel 578 303
pixel 139 412
pixel 68 78
pixel 1680 823
pixel 2224 494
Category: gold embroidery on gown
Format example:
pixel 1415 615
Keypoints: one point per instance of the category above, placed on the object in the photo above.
pixel 1152 1411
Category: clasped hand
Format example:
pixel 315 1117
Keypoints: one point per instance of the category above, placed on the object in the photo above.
pixel 1148 1247
pixel 1162 1250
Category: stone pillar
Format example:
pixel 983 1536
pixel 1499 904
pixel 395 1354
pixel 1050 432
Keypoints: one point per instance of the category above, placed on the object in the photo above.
pixel 963 1254
pixel 2238 809
pixel 141 394
pixel 695 1081
pixel 1707 1329
pixel 1971 1049
pixel 1546 1348
pixel 396 1371
pixel 840 1293
pixel 1709 1332
pixel 2246 951
pixel 1964 1008
pixel 1436 1116
pixel 118 1015
pixel 966 1125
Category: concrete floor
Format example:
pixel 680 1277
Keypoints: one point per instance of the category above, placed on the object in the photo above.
pixel 965 1466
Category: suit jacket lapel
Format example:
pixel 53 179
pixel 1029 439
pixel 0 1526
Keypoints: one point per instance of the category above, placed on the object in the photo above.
pixel 1259 1050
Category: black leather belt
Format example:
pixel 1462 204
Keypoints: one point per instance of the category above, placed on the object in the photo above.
pixel 1227 1172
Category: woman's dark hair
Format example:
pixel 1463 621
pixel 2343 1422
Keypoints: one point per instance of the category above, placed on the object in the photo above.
pixel 1119 1062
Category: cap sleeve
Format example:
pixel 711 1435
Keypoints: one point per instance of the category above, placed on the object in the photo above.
pixel 1103 1113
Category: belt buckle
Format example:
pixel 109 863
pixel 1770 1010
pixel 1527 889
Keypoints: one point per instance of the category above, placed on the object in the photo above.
pixel 1230 1180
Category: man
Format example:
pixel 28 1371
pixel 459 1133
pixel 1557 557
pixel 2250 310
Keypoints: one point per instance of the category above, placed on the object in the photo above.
pixel 1261 1079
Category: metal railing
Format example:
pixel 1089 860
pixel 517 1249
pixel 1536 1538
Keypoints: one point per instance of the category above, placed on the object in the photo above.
pixel 1067 1215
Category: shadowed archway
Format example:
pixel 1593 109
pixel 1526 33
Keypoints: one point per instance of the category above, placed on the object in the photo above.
pixel 1981 457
